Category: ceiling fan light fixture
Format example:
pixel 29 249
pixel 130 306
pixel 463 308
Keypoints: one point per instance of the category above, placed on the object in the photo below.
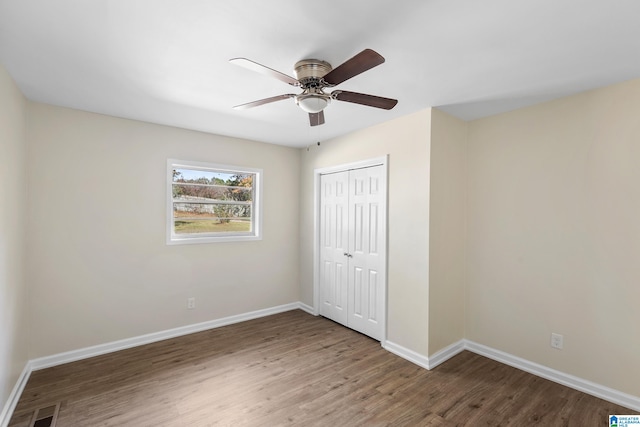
pixel 312 103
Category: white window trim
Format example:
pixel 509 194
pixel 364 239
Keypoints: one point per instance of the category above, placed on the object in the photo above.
pixel 176 239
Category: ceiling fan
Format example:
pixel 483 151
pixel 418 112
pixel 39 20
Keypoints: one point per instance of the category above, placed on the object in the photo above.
pixel 313 76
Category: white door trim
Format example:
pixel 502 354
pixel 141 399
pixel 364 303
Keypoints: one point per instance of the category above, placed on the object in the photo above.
pixel 384 160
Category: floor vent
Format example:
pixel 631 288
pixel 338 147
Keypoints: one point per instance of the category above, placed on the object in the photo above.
pixel 45 417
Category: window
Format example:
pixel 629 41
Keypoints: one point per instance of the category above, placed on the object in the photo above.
pixel 212 203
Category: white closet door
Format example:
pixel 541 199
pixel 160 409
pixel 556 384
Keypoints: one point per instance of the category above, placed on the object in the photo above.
pixel 352 227
pixel 366 227
pixel 334 217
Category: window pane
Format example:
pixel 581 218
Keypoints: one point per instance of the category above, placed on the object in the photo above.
pixel 189 192
pixel 189 226
pixel 201 176
pixel 211 218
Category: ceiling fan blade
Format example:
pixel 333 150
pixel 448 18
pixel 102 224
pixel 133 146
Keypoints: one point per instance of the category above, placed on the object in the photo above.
pixel 364 99
pixel 263 101
pixel 360 63
pixel 259 68
pixel 316 119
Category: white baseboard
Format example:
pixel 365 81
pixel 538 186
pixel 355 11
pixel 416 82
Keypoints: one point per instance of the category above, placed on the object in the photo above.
pixel 307 308
pixel 446 354
pixel 407 354
pixel 97 350
pixel 422 360
pixel 14 396
pixel 597 390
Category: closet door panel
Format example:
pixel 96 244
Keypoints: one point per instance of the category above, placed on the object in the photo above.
pixel 366 290
pixel 334 211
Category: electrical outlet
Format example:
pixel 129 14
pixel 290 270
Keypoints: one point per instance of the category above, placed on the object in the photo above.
pixel 191 303
pixel 557 341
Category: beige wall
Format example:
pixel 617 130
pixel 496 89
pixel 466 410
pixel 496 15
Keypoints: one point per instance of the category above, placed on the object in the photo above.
pixel 447 235
pixel 406 141
pixel 13 290
pixel 554 234
pixel 99 266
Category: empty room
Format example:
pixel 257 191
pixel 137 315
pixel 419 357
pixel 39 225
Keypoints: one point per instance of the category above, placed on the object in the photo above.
pixel 356 213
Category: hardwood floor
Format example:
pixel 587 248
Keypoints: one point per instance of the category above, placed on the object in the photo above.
pixel 296 369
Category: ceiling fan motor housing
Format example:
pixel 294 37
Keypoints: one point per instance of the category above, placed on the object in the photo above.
pixel 309 72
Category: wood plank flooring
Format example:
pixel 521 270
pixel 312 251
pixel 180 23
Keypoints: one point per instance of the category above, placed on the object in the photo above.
pixel 293 369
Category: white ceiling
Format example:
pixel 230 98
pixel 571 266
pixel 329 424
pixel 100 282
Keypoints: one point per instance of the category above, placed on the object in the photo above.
pixel 167 61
